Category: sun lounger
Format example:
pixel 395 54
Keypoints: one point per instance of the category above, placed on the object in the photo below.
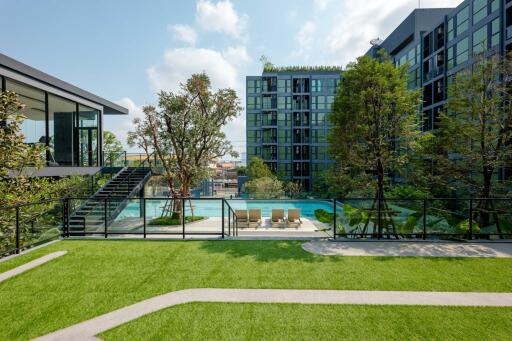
pixel 241 219
pixel 255 218
pixel 293 219
pixel 277 218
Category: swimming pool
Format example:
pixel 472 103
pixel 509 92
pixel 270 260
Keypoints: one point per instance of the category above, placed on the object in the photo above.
pixel 213 208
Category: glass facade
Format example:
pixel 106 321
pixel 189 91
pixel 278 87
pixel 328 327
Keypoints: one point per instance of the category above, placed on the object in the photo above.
pixel 69 130
pixel 286 122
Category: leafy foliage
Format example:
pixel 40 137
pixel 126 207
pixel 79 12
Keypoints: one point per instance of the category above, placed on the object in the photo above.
pixel 264 188
pixel 258 169
pixel 112 147
pixel 375 124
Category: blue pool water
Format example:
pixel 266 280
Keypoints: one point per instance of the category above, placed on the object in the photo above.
pixel 213 208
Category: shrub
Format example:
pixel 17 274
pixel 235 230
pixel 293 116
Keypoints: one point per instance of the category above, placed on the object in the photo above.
pixel 463 227
pixel 323 216
pixel 172 220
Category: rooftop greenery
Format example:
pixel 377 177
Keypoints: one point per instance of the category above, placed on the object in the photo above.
pixel 292 68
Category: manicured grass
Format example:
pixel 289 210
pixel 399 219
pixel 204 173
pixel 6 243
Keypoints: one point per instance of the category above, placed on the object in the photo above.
pixel 236 321
pixel 22 259
pixel 172 221
pixel 96 277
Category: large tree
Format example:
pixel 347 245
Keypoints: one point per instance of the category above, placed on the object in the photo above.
pixel 112 147
pixel 185 131
pixel 474 134
pixel 375 126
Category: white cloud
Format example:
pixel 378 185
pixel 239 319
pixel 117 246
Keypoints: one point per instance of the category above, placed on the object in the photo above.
pixel 357 22
pixel 321 4
pixel 184 33
pixel 223 67
pixel 121 124
pixel 305 37
pixel 221 17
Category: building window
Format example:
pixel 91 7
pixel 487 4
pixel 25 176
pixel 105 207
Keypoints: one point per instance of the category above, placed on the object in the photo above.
pixel 284 136
pixel 253 103
pixel 495 32
pixel 414 79
pixel 462 50
pixel 316 85
pixel 284 169
pixel 253 120
pixel 284 85
pixel 479 10
pixel 318 153
pixel 34 125
pixel 495 5
pixel 253 86
pixel 329 102
pixel 61 116
pixel 284 119
pixel 253 152
pixel 284 102
pixel 318 119
pixel 451 29
pixel 254 136
pixel 285 153
pixel 87 136
pixel 318 136
pixel 462 21
pixel 480 40
pixel 318 102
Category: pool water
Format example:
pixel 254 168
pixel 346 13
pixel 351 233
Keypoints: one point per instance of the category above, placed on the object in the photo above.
pixel 213 208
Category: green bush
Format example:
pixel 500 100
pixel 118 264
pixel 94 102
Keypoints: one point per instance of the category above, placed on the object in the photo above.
pixel 407 192
pixel 173 220
pixel 323 216
pixel 463 227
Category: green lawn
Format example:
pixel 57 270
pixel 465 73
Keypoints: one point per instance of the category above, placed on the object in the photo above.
pixel 234 321
pixel 96 277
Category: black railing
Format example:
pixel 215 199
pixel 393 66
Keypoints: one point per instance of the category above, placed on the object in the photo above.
pixel 23 226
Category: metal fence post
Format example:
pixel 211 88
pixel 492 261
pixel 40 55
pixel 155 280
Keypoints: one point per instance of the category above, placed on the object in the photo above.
pixel 17 229
pixel 229 221
pixel 379 216
pixel 424 219
pixel 470 218
pixel 183 216
pixel 222 218
pixel 105 216
pixel 334 219
pixel 144 215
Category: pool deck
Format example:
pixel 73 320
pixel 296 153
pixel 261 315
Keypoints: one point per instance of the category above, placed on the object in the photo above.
pixel 308 229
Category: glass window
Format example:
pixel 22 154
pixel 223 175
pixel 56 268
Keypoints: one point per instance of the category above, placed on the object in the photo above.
pixel 253 102
pixel 329 102
pixel 450 59
pixel 480 40
pixel 253 152
pixel 495 32
pixel 316 85
pixel 284 119
pixel 253 120
pixel 284 102
pixel 451 29
pixel 318 136
pixel 34 125
pixel 284 85
pixel 253 86
pixel 87 136
pixel 284 136
pixel 479 10
pixel 495 5
pixel 462 51
pixel 318 153
pixel 462 20
pixel 254 136
pixel 61 115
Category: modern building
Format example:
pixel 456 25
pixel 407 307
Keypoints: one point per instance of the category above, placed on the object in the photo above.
pixel 286 120
pixel 438 43
pixel 63 117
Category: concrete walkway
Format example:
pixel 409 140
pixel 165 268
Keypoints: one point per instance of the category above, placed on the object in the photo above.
pixel 408 249
pixel 30 265
pixel 88 329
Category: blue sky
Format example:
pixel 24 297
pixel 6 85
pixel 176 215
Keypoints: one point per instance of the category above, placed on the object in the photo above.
pixel 126 50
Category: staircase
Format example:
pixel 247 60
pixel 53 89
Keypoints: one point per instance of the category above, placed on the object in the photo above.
pixel 108 201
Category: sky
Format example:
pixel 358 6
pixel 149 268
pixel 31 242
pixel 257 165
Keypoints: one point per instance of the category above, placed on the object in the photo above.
pixel 127 51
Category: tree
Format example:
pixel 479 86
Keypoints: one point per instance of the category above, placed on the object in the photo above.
pixel 258 169
pixel 185 132
pixel 375 125
pixel 112 147
pixel 474 134
pixel 264 188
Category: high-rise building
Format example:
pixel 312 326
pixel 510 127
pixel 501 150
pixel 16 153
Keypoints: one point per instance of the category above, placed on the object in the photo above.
pixel 286 120
pixel 438 43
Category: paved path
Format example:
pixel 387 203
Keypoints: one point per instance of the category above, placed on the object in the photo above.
pixel 30 265
pixel 88 329
pixel 421 249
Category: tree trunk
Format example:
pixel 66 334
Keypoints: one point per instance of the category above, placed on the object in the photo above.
pixel 485 195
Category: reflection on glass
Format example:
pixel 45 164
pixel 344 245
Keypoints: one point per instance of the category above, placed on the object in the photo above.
pixel 88 136
pixel 33 126
pixel 61 118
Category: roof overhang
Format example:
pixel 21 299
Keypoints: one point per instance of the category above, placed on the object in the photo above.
pixel 110 108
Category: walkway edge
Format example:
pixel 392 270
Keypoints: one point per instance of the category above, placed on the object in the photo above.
pixel 30 265
pixel 87 330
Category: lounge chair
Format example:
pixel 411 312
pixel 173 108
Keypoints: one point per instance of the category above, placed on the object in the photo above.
pixel 277 218
pixel 255 218
pixel 241 219
pixel 293 219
